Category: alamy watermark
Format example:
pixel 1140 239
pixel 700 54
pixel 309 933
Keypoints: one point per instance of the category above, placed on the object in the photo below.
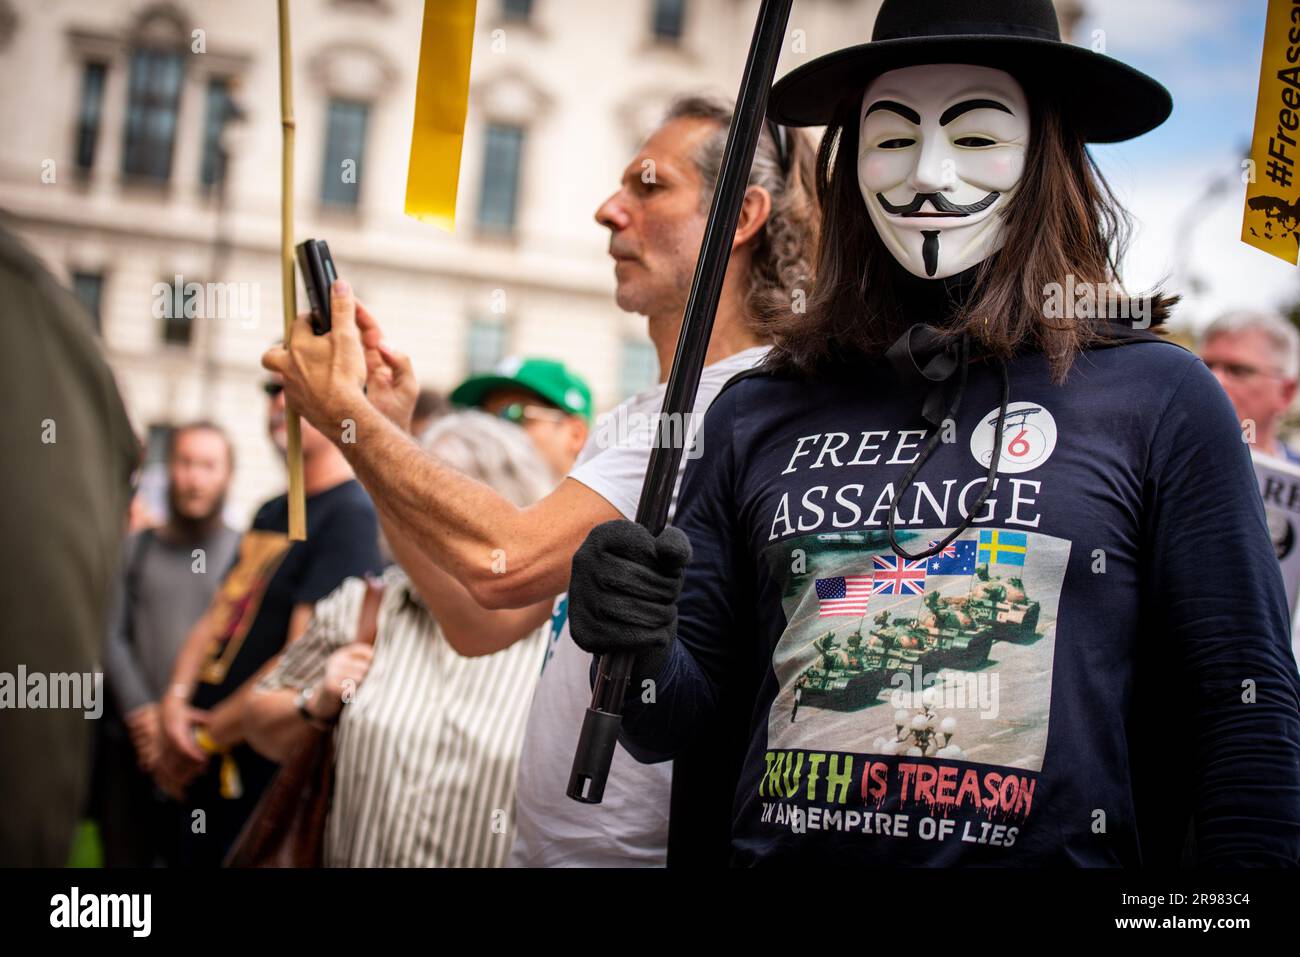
pixel 59 690
pixel 948 690
pixel 1094 300
pixel 74 909
pixel 624 429
pixel 208 300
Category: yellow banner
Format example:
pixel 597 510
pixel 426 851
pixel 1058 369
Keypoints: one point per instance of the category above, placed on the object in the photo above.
pixel 441 102
pixel 1272 214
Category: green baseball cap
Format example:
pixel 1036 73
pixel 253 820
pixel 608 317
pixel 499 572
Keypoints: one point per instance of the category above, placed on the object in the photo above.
pixel 549 378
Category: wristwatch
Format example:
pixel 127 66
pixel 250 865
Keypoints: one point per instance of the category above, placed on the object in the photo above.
pixel 301 701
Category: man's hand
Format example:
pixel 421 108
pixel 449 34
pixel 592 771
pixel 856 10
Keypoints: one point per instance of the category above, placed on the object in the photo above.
pixel 324 376
pixel 390 380
pixel 344 672
pixel 144 725
pixel 623 591
pixel 180 759
pixel 174 772
pixel 178 721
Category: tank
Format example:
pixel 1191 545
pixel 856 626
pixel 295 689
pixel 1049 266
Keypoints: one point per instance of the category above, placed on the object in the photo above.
pixel 950 636
pixel 1001 603
pixel 948 632
pixel 850 676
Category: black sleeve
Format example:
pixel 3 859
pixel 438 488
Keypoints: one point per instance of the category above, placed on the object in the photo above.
pixel 345 545
pixel 1218 591
pixel 690 685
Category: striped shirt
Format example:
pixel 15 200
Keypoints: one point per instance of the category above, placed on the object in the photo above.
pixel 426 751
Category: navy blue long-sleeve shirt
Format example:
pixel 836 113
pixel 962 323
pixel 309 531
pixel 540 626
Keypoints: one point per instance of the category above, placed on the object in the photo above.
pixel 1105 648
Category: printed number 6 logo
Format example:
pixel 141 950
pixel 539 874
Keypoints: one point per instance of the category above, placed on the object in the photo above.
pixel 1029 437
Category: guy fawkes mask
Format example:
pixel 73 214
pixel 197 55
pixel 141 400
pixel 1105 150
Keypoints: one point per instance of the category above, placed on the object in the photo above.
pixel 941 151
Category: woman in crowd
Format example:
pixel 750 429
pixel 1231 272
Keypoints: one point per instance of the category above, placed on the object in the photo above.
pixel 427 745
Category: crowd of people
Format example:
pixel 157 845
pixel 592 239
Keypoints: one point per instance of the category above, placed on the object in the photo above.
pixel 492 536
pixel 460 719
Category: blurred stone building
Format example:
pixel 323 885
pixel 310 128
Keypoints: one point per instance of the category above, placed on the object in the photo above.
pixel 141 154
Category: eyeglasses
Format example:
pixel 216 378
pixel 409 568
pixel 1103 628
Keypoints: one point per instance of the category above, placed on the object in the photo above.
pixel 1236 370
pixel 518 413
pixel 272 389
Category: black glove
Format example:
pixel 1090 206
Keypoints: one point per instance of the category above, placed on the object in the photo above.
pixel 623 591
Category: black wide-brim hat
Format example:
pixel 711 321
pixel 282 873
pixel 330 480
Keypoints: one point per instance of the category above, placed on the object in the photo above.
pixel 1105 100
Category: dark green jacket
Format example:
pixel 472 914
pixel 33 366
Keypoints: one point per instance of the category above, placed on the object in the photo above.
pixel 63 506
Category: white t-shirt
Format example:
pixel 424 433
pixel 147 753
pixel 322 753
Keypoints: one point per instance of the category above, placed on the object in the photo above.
pixel 629 828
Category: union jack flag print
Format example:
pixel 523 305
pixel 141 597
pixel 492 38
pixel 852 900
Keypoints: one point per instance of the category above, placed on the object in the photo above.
pixel 895 575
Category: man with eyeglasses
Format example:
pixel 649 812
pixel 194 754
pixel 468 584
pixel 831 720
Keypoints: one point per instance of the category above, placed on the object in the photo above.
pixel 551 403
pixel 264 602
pixel 1256 358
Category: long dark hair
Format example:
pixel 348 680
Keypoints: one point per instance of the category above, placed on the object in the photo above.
pixel 1063 220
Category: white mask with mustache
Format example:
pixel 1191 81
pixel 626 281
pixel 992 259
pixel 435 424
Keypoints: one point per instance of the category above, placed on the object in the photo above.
pixel 940 153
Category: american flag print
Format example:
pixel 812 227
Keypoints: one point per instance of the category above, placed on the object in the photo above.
pixel 843 596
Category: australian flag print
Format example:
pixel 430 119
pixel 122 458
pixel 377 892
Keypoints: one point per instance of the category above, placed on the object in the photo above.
pixel 958 558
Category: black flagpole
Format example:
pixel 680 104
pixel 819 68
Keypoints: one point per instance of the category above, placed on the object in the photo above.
pixel 600 725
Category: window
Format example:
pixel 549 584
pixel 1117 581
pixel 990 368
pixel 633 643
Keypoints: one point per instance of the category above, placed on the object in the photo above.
pixel 500 192
pixel 177 326
pixel 668 17
pixel 153 99
pixel 89 113
pixel 487 345
pixel 219 111
pixel 88 287
pixel 639 367
pixel 345 141
pixel 516 9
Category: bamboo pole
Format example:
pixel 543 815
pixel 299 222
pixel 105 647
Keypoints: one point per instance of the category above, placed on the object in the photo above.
pixel 288 288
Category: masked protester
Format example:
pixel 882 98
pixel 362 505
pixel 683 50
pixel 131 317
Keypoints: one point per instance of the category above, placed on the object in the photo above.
pixel 991 562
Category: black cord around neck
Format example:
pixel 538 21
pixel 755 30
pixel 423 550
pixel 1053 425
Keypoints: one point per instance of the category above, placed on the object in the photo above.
pixel 990 478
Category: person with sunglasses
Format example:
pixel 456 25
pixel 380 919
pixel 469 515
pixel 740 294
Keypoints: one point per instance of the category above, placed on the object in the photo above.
pixel 542 396
pixel 264 602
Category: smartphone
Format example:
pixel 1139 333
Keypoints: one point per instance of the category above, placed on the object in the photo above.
pixel 318 274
